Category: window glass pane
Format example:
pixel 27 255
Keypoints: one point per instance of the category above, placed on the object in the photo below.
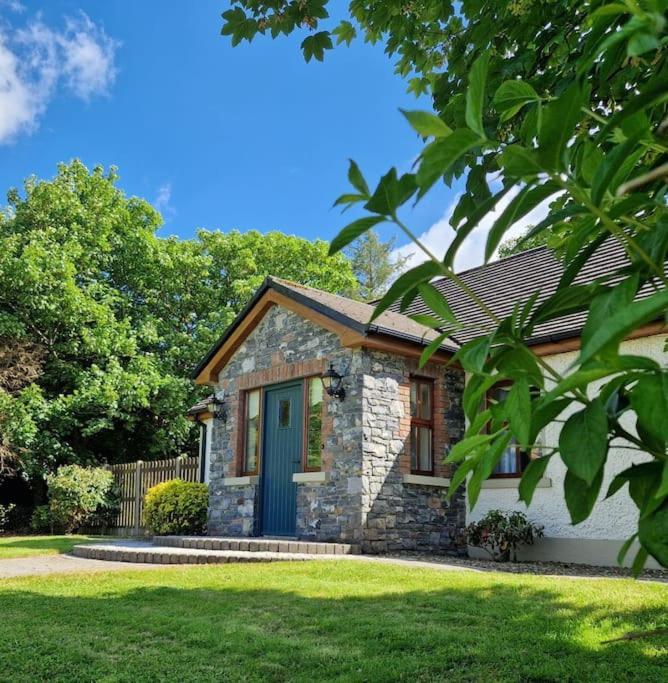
pixel 252 430
pixel 413 399
pixel 414 447
pixel 284 412
pixel 424 449
pixel 314 425
pixel 425 401
pixel 508 462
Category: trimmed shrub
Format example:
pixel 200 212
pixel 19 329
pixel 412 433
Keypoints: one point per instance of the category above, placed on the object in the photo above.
pixel 81 497
pixel 176 507
pixel 500 533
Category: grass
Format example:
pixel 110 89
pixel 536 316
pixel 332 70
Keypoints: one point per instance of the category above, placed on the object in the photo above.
pixel 345 621
pixel 26 546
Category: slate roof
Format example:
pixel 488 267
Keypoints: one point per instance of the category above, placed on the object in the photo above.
pixel 502 283
pixel 201 406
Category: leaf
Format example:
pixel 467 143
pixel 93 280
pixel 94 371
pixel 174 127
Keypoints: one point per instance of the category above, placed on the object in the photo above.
pixel 527 199
pixel 473 354
pixel 485 466
pixel 345 33
pixel 349 200
pixel 427 124
pixel 438 156
pixel 580 496
pixel 583 442
pixel 405 283
pixel 559 120
pixel 649 97
pixel 610 167
pixel 649 399
pixel 436 301
pixel 391 192
pixel 653 534
pixel 464 447
pixel 624 321
pixel 545 413
pixel 518 409
pixel 520 363
pixel 474 218
pixel 315 46
pixel 357 179
pixel 519 162
pixel 625 549
pixel 431 349
pixel 352 231
pixel 511 96
pixel 639 562
pixel 475 94
pixel 531 477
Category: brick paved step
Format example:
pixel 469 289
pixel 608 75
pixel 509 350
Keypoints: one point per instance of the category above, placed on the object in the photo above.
pixel 254 545
pixel 159 554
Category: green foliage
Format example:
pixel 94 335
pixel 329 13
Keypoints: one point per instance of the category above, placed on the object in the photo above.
pixel 6 512
pixel 116 318
pixel 500 534
pixel 42 520
pixel 176 507
pixel 523 242
pixel 561 102
pixel 82 496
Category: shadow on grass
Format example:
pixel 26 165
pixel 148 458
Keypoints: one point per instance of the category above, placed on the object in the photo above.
pixel 496 632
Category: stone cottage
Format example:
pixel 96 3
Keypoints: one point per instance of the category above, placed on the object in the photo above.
pixel 323 427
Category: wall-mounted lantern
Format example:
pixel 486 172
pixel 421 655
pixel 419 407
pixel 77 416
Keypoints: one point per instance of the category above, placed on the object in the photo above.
pixel 331 381
pixel 217 407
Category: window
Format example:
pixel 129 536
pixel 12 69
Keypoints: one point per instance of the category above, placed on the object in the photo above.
pixel 284 412
pixel 422 426
pixel 313 454
pixel 251 432
pixel 513 460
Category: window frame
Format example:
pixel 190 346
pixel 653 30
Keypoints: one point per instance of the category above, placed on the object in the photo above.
pixel 244 432
pixel 305 465
pixel 421 422
pixel 519 453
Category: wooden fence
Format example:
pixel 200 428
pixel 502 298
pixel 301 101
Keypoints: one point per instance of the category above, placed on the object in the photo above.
pixel 135 478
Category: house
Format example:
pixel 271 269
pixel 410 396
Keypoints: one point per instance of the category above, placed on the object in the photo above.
pixel 362 463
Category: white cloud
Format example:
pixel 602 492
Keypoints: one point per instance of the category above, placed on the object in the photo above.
pixel 438 237
pixel 163 201
pixel 35 59
pixel 13 6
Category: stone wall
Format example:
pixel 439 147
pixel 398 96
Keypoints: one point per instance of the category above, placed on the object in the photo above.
pixel 364 499
pixel 282 347
pixel 399 515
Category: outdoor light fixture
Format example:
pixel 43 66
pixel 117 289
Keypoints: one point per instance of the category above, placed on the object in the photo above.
pixel 331 381
pixel 217 408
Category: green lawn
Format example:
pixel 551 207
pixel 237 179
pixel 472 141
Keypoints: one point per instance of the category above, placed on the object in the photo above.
pixel 347 621
pixel 24 546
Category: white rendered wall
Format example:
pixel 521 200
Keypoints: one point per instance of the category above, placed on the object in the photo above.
pixel 208 425
pixel 614 519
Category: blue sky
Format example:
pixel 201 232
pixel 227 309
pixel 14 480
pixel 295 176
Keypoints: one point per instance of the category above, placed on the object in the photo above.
pixel 218 137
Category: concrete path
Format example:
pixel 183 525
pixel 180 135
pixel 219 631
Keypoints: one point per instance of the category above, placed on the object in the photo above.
pixel 39 565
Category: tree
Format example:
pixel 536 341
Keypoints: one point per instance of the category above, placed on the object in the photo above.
pixel 114 319
pixel 524 242
pixel 373 265
pixel 562 102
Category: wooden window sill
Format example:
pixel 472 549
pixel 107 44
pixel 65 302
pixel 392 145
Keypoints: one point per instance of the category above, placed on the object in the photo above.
pixel 426 480
pixel 249 480
pixel 513 483
pixel 310 477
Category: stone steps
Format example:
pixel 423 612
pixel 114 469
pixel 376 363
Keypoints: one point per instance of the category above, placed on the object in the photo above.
pixel 255 545
pixel 161 554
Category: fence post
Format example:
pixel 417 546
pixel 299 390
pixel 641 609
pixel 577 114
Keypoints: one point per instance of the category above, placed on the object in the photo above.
pixel 138 465
pixel 177 467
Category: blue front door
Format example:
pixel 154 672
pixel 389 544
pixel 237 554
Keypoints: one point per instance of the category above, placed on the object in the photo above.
pixel 281 458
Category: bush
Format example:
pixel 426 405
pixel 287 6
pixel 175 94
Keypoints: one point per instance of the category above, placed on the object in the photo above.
pixel 176 507
pixel 500 534
pixel 81 496
pixel 6 514
pixel 41 520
